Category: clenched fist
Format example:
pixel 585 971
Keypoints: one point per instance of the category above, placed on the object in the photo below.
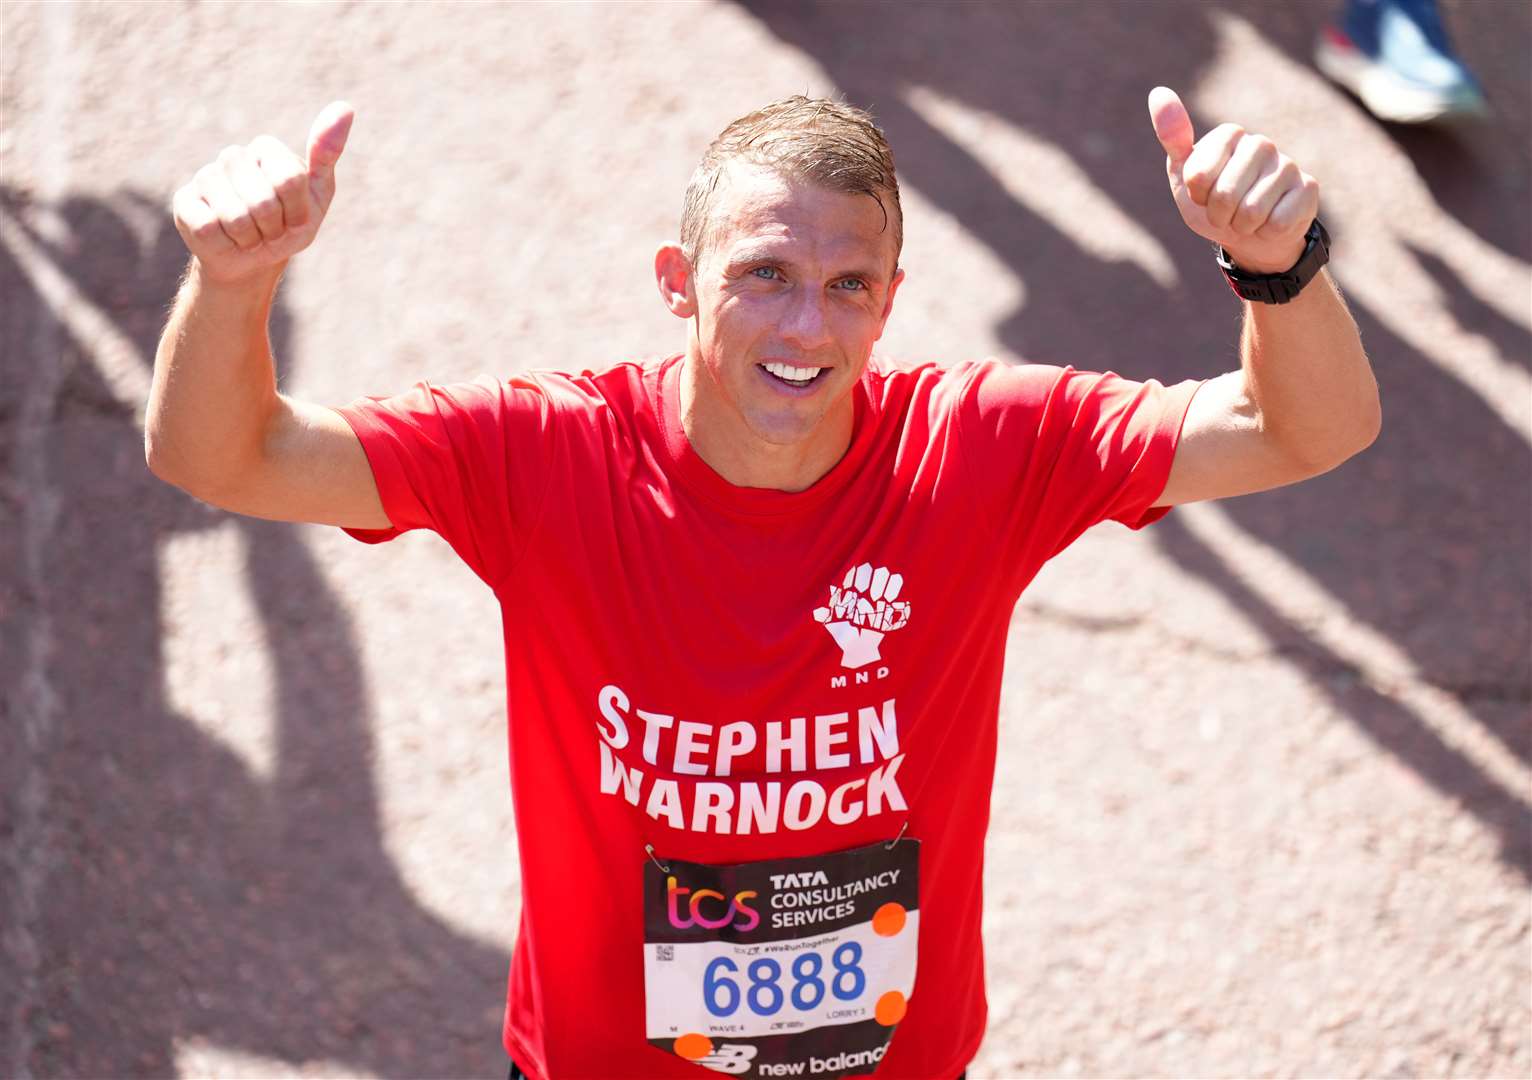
pixel 257 206
pixel 1234 188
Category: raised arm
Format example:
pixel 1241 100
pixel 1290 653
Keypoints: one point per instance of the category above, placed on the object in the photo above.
pixel 1304 398
pixel 216 425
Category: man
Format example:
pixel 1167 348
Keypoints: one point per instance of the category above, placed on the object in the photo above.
pixel 755 595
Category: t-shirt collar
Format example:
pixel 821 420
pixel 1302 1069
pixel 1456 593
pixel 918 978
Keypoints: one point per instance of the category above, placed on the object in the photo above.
pixel 701 478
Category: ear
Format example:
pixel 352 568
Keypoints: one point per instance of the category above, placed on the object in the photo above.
pixel 673 275
pixel 888 301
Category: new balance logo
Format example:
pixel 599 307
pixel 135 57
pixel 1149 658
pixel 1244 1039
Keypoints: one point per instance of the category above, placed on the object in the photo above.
pixel 730 1058
pixel 862 611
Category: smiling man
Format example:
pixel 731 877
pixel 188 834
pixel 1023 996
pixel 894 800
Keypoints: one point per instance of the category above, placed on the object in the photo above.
pixel 766 393
pixel 756 594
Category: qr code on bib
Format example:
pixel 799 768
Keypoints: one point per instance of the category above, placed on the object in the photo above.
pixel 665 952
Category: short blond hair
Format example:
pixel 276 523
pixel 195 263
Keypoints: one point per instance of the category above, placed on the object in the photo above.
pixel 826 142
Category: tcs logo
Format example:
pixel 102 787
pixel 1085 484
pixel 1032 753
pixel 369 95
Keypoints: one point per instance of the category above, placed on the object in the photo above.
pixel 686 913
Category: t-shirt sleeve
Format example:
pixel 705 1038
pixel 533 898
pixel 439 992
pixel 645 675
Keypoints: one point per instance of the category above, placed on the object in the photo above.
pixel 466 460
pixel 1054 451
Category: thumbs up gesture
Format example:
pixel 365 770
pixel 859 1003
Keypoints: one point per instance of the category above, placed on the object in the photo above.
pixel 1235 188
pixel 256 206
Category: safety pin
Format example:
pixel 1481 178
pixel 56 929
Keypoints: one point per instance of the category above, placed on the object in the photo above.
pixel 649 850
pixel 890 845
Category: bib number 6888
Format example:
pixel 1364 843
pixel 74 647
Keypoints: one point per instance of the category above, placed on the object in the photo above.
pixel 764 995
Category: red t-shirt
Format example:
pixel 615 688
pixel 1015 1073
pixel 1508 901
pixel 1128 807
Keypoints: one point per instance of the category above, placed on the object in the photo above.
pixel 672 640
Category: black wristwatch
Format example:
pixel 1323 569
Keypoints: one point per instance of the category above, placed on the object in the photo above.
pixel 1278 288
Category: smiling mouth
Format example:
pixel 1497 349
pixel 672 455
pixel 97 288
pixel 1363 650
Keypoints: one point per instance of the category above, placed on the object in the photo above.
pixel 794 376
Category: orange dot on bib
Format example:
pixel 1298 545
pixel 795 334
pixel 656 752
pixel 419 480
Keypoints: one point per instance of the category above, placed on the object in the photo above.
pixel 890 1008
pixel 694 1046
pixel 888 920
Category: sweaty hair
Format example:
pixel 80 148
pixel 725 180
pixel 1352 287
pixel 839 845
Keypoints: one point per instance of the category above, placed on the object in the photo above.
pixel 825 142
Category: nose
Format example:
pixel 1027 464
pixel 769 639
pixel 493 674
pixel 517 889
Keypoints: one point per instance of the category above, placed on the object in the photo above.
pixel 805 322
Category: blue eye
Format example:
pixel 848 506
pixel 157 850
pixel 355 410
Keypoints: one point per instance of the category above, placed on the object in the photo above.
pixel 763 272
pixel 854 284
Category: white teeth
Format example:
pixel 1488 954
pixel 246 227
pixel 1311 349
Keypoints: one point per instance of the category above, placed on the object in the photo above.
pixel 797 374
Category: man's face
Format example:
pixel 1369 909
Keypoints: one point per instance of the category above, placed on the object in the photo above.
pixel 795 281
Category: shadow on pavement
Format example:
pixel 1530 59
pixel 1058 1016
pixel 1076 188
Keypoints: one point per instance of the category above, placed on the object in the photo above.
pixel 1477 170
pixel 186 898
pixel 1423 538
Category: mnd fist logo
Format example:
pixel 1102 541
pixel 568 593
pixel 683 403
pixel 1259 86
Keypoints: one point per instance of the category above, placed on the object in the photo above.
pixel 862 611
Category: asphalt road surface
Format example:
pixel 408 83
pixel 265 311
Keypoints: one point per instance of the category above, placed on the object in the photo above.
pixel 1262 806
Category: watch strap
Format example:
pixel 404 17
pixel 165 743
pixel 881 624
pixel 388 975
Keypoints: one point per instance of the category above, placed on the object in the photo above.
pixel 1279 288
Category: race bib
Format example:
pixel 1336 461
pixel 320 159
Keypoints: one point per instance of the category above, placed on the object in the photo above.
pixel 786 967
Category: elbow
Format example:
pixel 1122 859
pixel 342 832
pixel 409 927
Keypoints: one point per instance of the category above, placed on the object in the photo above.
pixel 159 459
pixel 1369 412
pixel 1372 427
pixel 1367 424
pixel 154 457
pixel 162 464
pixel 1344 443
pixel 1363 421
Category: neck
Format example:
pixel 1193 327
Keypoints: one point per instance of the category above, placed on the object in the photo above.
pixel 730 448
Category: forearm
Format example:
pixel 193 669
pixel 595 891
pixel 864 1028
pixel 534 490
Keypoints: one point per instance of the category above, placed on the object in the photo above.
pixel 1308 377
pixel 214 389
